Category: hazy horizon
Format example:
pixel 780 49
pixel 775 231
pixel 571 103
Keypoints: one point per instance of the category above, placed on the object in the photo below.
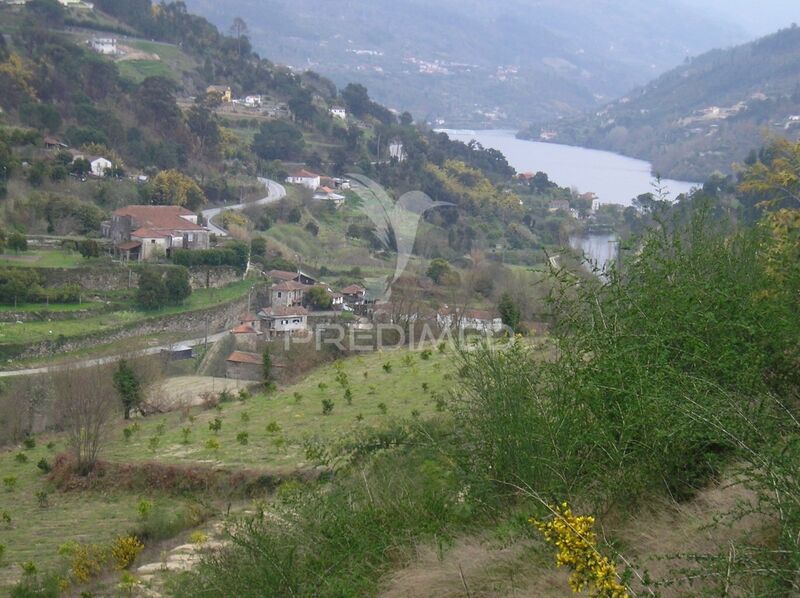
pixel 762 18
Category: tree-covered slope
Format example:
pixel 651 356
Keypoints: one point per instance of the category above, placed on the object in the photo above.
pixel 704 115
pixel 479 62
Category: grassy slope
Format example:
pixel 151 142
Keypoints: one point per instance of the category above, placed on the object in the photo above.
pixel 400 390
pixel 31 332
pixel 36 532
pixel 43 258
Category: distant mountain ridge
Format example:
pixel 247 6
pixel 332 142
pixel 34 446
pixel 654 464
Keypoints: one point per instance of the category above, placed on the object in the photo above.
pixel 476 62
pixel 702 116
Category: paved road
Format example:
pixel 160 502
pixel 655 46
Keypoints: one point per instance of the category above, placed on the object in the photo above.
pixel 212 338
pixel 275 192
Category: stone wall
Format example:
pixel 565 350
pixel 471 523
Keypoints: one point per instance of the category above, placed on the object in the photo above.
pixel 190 324
pixel 107 276
pixel 214 278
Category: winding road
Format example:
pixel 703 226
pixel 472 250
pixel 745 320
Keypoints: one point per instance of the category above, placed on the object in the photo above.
pixel 275 192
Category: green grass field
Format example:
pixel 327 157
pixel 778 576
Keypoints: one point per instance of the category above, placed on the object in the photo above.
pixel 31 332
pixel 44 258
pixel 139 70
pixel 277 426
pixel 52 307
pixel 400 391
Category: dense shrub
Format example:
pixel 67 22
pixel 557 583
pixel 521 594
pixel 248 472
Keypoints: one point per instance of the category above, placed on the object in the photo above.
pixel 234 254
pixel 688 329
pixel 337 541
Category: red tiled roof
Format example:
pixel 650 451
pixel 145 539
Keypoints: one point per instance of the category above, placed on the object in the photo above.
pixel 353 289
pixel 478 314
pixel 128 245
pixel 242 357
pixel 149 233
pixel 164 218
pixel 303 173
pixel 283 312
pixel 244 329
pixel 289 285
pixel 282 274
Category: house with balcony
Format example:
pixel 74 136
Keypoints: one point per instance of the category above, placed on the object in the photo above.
pixel 284 321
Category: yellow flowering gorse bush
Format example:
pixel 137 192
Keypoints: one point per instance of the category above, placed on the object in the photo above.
pixel 124 551
pixel 576 541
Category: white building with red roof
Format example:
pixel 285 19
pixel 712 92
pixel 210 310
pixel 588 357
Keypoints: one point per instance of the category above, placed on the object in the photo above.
pixel 305 178
pixel 143 232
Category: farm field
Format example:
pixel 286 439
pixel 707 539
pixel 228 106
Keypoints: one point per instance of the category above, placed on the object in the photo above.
pixel 44 258
pixel 267 432
pixel 31 332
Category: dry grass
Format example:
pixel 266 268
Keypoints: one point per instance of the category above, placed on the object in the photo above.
pixel 477 566
pixel 173 394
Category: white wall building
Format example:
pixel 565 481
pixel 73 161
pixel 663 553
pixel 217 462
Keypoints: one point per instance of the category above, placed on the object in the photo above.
pixel 99 166
pixel 104 45
pixel 469 319
pixel 283 321
pixel 304 178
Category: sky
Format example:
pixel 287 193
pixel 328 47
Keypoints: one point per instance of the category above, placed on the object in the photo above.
pixel 756 17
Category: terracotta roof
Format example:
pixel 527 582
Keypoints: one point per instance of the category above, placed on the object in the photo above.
pixel 282 274
pixel 354 289
pixel 471 314
pixel 303 173
pixel 283 312
pixel 244 329
pixel 128 245
pixel 289 285
pixel 242 357
pixel 248 317
pixel 149 233
pixel 164 218
pixel 478 314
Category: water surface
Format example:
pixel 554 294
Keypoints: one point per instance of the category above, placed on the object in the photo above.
pixel 612 177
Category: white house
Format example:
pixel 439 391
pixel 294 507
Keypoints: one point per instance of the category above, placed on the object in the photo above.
pixel 283 321
pixel 104 45
pixel 304 178
pixel 354 294
pixel 338 112
pixel 99 165
pixel 469 319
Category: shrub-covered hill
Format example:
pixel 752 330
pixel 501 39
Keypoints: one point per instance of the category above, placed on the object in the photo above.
pixel 703 115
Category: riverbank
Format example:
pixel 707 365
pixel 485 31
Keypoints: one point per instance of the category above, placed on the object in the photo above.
pixel 614 178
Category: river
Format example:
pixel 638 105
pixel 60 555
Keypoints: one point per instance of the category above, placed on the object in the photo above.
pixel 612 177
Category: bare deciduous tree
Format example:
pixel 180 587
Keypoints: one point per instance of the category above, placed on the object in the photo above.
pixel 85 405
